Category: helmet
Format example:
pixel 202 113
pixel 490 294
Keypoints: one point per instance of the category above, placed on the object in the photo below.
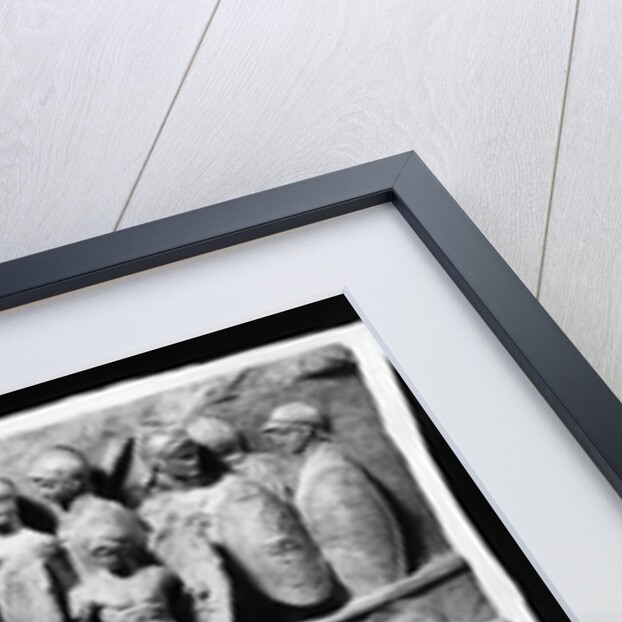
pixel 61 461
pixel 61 474
pixel 159 444
pixel 296 414
pixel 216 434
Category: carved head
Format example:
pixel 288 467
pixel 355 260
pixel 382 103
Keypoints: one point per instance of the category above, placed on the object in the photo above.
pixel 293 426
pixel 173 452
pixel 9 512
pixel 108 537
pixel 218 435
pixel 61 474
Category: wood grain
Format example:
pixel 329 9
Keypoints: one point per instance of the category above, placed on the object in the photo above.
pixel 282 91
pixel 582 272
pixel 84 87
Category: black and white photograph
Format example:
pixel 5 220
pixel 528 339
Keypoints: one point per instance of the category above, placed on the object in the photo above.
pixel 189 430
pixel 286 482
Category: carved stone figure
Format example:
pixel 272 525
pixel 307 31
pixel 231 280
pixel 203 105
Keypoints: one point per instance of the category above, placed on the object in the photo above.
pixel 342 508
pixel 260 535
pixel 173 507
pixel 62 476
pixel 226 442
pixel 33 570
pixel 123 584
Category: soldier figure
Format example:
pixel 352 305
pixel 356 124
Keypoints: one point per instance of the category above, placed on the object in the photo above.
pixel 62 477
pixel 260 535
pixel 224 440
pixel 343 510
pixel 123 584
pixel 33 569
pixel 172 505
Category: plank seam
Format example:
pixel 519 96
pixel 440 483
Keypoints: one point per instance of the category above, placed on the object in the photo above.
pixel 166 116
pixel 547 218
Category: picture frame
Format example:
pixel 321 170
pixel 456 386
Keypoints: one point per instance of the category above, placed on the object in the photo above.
pixel 72 407
pixel 580 399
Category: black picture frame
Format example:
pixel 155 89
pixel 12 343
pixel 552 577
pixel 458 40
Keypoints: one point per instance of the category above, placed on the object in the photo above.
pixel 581 399
pixel 298 322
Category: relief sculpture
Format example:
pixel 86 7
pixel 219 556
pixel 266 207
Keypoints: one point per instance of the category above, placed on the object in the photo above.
pixel 269 493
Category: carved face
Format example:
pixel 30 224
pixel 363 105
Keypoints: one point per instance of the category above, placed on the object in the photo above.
pixel 9 514
pixel 176 455
pixel 291 439
pixel 116 556
pixel 106 535
pixel 59 477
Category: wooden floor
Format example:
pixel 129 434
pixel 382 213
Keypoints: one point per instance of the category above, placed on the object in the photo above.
pixel 113 114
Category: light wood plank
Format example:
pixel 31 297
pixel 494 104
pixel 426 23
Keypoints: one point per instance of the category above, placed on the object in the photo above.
pixel 84 87
pixel 582 275
pixel 284 90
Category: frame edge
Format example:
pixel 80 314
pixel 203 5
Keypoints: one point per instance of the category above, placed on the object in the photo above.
pixel 569 384
pixel 112 255
pixel 572 388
